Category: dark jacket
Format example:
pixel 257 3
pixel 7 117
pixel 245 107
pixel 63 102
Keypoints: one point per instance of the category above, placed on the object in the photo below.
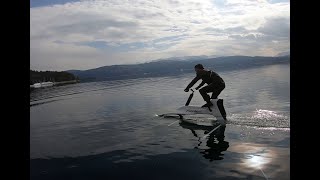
pixel 207 77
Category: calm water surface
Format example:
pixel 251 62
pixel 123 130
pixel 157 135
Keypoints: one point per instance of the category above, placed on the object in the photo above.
pixel 109 130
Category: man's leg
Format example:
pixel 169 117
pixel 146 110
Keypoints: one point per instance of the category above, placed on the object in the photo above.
pixel 203 91
pixel 216 90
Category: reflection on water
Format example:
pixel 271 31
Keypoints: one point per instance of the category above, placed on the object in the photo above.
pixel 256 160
pixel 256 157
pixel 215 143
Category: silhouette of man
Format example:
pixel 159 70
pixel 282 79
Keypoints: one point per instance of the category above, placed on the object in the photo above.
pixel 214 81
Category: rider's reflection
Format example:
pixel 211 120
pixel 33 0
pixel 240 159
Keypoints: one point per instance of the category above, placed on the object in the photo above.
pixel 215 141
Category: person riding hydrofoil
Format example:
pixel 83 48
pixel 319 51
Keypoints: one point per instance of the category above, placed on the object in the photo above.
pixel 214 81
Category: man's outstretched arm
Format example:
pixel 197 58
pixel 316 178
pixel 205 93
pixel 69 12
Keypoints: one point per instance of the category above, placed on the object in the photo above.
pixel 200 85
pixel 196 79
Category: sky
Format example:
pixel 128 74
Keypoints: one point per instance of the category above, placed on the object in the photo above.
pixel 86 34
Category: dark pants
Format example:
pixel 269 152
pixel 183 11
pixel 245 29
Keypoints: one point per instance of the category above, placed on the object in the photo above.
pixel 215 88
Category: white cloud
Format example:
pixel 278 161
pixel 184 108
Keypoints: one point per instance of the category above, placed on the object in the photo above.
pixel 145 30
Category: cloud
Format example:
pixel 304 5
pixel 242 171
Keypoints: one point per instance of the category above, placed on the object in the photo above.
pixel 276 27
pixel 88 34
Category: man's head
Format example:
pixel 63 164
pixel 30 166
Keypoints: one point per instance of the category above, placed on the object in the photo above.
pixel 198 67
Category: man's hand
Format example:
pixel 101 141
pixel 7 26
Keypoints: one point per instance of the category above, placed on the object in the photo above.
pixel 186 90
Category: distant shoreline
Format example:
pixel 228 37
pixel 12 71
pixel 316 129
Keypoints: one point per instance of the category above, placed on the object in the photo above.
pixel 55 83
pixel 186 71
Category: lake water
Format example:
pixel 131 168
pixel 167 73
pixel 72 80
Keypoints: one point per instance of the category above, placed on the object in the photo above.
pixel 109 130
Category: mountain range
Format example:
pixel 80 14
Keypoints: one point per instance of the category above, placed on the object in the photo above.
pixel 175 66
